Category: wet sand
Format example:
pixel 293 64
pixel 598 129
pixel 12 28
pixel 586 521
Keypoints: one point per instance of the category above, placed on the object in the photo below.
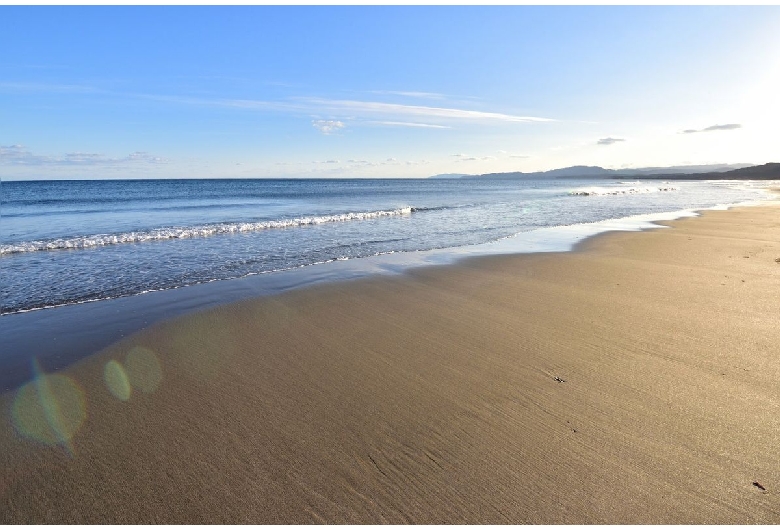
pixel 636 380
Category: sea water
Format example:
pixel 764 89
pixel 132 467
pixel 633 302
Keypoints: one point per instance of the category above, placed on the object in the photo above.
pixel 68 242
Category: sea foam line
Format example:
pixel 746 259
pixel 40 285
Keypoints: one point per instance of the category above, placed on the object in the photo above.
pixel 622 191
pixel 159 234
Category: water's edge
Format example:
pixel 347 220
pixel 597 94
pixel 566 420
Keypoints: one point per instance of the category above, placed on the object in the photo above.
pixel 59 336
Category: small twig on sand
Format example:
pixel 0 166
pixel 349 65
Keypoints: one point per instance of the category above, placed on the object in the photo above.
pixel 759 486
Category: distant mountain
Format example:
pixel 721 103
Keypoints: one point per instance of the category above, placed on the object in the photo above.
pixel 770 171
pixel 765 171
pixel 450 176
pixel 682 170
pixel 579 171
pixel 710 171
pixel 566 172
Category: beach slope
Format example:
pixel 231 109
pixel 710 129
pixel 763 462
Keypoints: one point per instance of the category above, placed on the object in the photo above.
pixel 635 380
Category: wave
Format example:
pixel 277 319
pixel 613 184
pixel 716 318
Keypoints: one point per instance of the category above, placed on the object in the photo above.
pixel 207 230
pixel 622 191
pixel 432 208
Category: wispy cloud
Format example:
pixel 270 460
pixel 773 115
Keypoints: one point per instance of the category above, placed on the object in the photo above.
pixel 328 126
pixel 410 124
pixel 18 155
pixel 247 104
pixel 466 158
pixel 373 108
pixel 410 94
pixel 46 87
pixel 610 141
pixel 724 127
pixel 383 113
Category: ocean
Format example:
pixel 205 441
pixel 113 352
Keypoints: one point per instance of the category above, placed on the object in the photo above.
pixel 70 242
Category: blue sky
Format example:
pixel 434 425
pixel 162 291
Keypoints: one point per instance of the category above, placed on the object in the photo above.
pixel 405 91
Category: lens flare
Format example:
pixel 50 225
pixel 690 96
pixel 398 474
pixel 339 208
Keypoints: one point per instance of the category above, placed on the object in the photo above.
pixel 143 369
pixel 50 409
pixel 116 380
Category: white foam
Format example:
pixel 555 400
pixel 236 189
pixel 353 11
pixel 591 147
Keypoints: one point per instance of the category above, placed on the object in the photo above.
pixel 158 234
pixel 600 190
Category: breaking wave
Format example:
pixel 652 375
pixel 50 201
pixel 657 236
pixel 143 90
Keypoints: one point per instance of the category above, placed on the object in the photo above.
pixel 596 190
pixel 206 230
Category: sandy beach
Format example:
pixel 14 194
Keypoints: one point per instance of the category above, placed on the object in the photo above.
pixel 635 380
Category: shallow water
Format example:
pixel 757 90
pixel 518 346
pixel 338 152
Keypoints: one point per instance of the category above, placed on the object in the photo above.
pixel 66 242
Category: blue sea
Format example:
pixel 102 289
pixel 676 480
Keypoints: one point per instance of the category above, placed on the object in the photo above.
pixel 69 242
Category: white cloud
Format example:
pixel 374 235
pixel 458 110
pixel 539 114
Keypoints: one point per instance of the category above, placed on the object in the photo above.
pixel 410 94
pixel 466 158
pixel 410 124
pixel 383 113
pixel 327 126
pixel 145 157
pixel 393 109
pixel 482 158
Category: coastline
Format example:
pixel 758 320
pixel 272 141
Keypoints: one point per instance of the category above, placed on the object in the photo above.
pixel 75 331
pixel 631 381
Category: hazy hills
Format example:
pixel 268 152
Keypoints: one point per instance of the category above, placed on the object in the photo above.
pixel 769 171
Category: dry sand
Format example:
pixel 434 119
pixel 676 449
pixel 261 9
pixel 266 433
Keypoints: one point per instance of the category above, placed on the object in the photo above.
pixel 636 380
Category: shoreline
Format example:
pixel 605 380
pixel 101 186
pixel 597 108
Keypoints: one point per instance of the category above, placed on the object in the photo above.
pixel 631 381
pixel 69 338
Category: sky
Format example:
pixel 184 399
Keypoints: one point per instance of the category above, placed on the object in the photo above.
pixel 400 91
